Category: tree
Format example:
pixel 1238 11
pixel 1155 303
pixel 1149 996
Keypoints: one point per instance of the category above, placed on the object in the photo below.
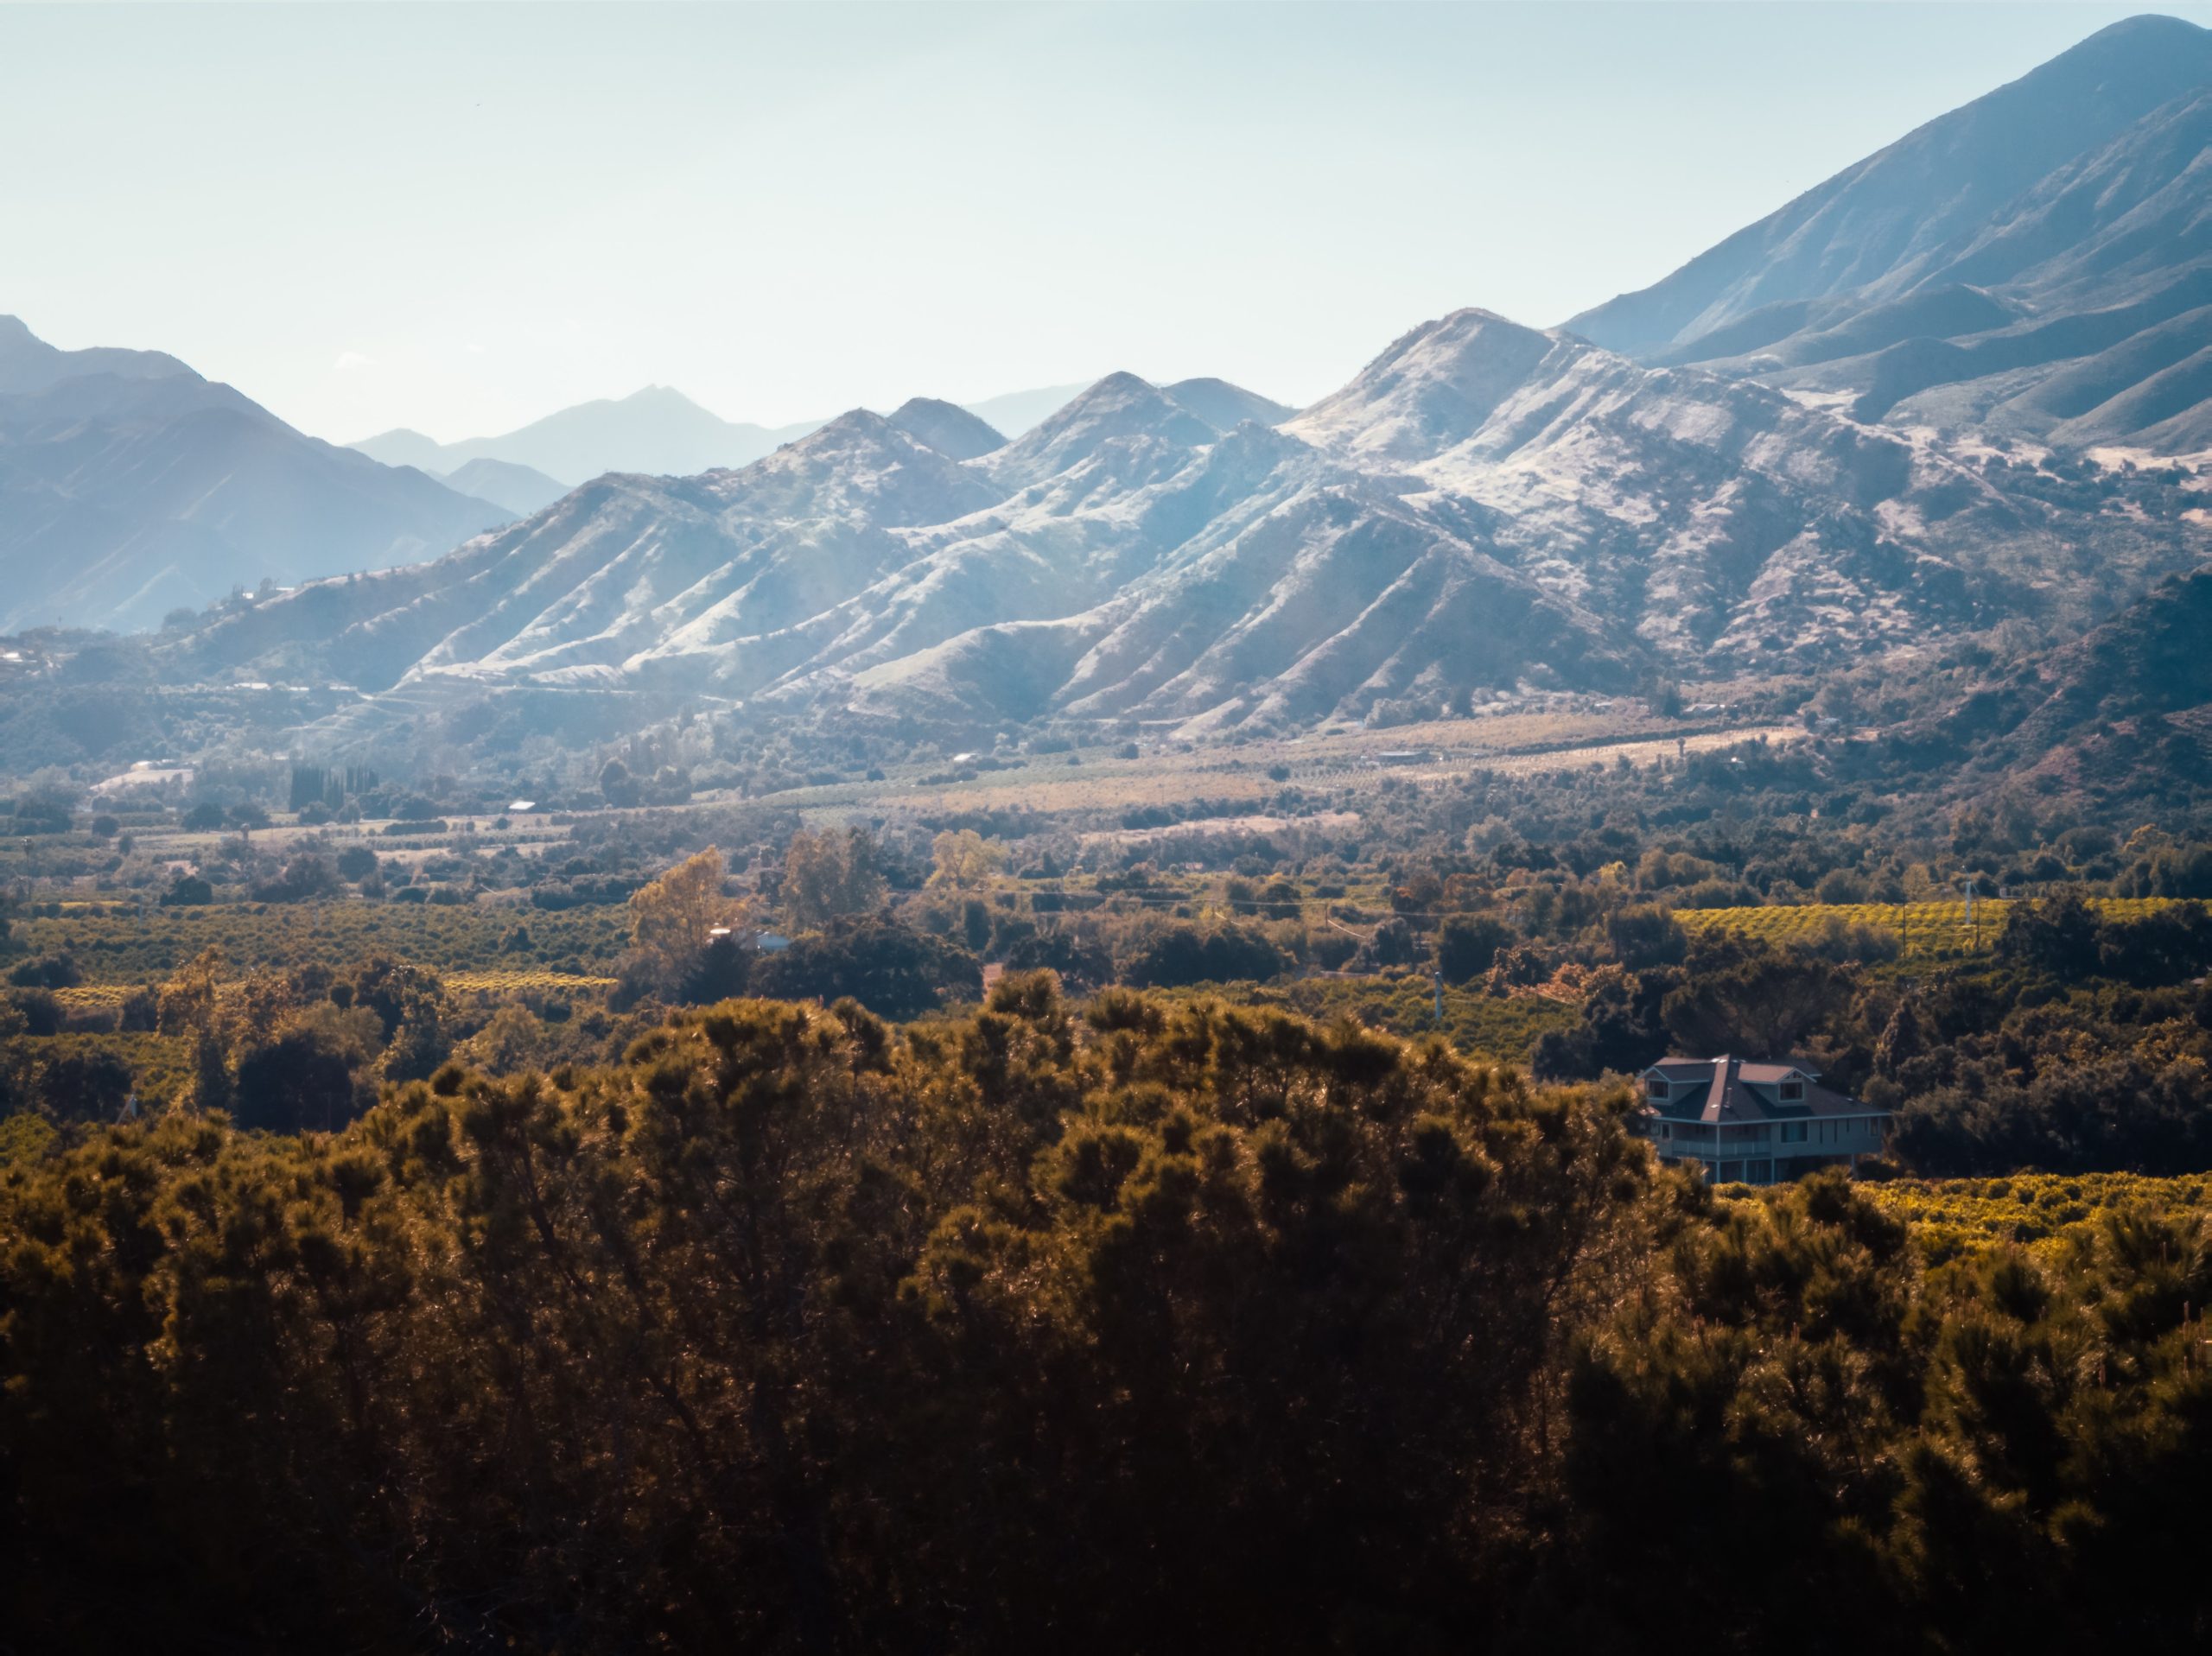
pixel 2058 935
pixel 720 971
pixel 894 972
pixel 88 1085
pixel 302 1081
pixel 616 785
pixel 829 874
pixel 1755 1001
pixel 306 877
pixel 1646 936
pixel 188 891
pixel 1467 943
pixel 1183 952
pixel 409 1005
pixel 964 859
pixel 670 918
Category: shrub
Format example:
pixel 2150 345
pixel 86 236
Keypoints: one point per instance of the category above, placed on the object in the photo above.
pixel 187 890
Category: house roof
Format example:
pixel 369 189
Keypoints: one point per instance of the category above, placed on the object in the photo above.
pixel 1728 1090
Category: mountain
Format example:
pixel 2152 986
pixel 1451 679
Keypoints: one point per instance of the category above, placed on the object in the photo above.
pixel 1485 507
pixel 400 446
pixel 29 364
pixel 1015 412
pixel 948 429
pixel 130 487
pixel 656 430
pixel 2038 263
pixel 520 489
pixel 2122 713
pixel 663 433
pixel 1225 407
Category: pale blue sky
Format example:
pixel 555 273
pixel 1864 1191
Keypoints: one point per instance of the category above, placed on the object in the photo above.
pixel 461 217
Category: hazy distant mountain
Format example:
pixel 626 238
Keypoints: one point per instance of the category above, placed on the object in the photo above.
pixel 401 447
pixel 130 486
pixel 520 489
pixel 1485 507
pixel 662 432
pixel 1225 407
pixel 948 429
pixel 657 431
pixel 1015 412
pixel 2037 262
pixel 28 363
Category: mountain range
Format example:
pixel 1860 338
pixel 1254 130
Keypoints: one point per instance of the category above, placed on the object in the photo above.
pixel 2038 263
pixel 1930 397
pixel 658 431
pixel 129 487
pixel 1486 507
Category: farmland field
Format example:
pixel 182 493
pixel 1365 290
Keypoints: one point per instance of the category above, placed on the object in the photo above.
pixel 1424 755
pixel 2048 1214
pixel 117 945
pixel 1924 928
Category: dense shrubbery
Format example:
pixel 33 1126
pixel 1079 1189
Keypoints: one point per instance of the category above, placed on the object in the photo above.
pixel 1160 1327
pixel 892 971
pixel 1009 1334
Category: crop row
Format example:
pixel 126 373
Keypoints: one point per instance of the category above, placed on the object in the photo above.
pixel 524 983
pixel 1924 927
pixel 2045 1214
pixel 125 949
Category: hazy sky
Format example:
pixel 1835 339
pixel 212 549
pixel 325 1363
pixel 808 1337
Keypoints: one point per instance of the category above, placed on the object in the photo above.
pixel 461 217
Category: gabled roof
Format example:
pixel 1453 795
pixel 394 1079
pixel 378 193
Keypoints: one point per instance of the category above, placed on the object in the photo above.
pixel 1726 1089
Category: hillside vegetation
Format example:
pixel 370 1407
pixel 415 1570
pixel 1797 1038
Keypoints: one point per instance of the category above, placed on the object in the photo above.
pixel 1150 1327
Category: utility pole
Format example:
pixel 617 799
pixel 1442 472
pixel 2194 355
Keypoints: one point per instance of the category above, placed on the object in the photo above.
pixel 1436 982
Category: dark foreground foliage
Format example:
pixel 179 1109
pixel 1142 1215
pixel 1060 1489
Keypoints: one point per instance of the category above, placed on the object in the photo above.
pixel 1162 1327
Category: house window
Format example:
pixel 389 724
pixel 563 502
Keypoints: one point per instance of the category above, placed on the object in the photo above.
pixel 1793 1132
pixel 1666 1129
pixel 1655 1087
pixel 1793 1092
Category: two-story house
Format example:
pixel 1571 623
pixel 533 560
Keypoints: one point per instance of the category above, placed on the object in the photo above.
pixel 1755 1123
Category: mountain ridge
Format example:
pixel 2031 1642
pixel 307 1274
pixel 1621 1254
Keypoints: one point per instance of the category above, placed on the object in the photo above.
pixel 1991 269
pixel 1484 509
pixel 130 487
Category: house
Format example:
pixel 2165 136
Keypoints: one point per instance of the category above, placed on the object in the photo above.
pixel 1754 1123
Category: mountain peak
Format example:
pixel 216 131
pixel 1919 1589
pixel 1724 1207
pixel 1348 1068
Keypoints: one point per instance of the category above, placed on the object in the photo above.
pixel 946 427
pixel 1225 407
pixel 1432 386
pixel 1121 406
pixel 29 363
pixel 663 397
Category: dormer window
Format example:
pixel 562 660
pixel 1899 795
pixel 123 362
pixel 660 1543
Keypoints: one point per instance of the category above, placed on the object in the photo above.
pixel 1655 1087
pixel 1793 1092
